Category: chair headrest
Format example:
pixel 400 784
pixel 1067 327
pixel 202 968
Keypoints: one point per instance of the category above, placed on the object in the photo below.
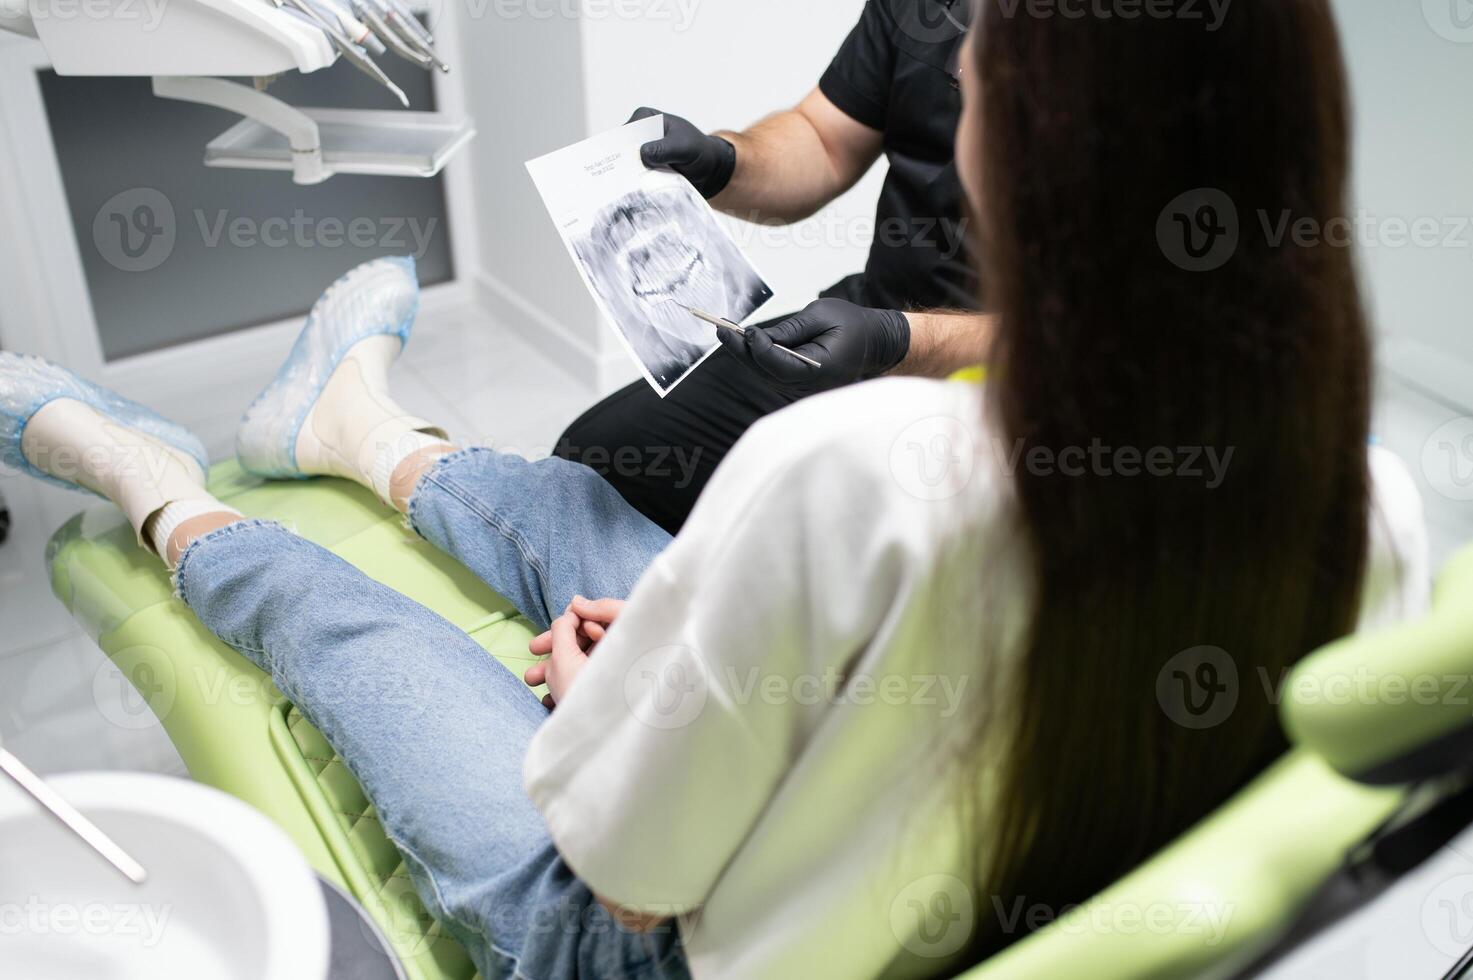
pixel 1393 706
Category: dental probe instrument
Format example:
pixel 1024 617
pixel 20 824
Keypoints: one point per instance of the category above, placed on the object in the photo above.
pixel 71 818
pixel 723 322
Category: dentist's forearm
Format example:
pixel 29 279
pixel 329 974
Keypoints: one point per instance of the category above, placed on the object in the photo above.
pixel 794 162
pixel 945 341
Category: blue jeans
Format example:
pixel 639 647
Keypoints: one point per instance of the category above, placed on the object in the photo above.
pixel 432 726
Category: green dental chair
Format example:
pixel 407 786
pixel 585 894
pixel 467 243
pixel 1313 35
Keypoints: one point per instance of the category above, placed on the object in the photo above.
pixel 1207 905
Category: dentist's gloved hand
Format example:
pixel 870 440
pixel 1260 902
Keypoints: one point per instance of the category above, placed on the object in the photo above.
pixel 706 161
pixel 851 342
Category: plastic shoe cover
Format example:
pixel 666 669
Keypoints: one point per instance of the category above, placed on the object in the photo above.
pixel 377 297
pixel 27 383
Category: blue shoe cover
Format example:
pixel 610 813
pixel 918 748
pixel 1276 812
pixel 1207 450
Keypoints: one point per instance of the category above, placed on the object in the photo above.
pixel 27 383
pixel 377 297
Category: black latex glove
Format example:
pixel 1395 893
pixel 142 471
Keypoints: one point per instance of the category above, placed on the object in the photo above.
pixel 851 342
pixel 706 161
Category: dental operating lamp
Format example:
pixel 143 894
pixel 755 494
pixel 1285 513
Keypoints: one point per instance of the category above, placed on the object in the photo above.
pixel 195 46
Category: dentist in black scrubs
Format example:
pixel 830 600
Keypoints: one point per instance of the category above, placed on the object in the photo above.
pixel 892 89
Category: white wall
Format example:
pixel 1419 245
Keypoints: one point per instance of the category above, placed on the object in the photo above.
pixel 1414 161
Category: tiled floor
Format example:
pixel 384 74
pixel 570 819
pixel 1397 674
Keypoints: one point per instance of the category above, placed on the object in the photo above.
pixel 60 700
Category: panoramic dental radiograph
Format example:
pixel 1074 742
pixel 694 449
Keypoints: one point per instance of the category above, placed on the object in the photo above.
pixel 653 255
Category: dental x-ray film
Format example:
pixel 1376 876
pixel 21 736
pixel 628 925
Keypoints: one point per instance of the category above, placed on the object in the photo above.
pixel 647 246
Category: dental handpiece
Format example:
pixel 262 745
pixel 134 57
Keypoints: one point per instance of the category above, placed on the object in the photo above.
pixel 422 32
pixel 397 44
pixel 405 25
pixel 350 51
pixel 399 25
pixel 358 32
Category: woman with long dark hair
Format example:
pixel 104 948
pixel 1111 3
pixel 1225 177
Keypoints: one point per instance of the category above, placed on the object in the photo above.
pixel 911 661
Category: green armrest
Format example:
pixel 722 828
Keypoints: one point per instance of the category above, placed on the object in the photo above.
pixel 232 727
pixel 1218 895
pixel 1394 706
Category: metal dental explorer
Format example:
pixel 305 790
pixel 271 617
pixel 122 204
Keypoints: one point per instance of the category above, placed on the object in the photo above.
pixel 720 321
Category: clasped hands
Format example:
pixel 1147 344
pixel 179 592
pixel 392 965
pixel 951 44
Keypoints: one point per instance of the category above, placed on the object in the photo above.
pixel 568 644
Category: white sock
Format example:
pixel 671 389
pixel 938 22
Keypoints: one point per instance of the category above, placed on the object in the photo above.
pixel 355 430
pixel 74 442
pixel 176 513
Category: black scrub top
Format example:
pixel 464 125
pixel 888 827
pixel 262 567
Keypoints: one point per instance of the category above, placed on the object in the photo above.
pixel 897 72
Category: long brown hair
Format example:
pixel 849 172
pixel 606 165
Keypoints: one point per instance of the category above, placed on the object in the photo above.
pixel 1113 332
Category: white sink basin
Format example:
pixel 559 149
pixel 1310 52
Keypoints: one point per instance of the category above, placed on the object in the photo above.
pixel 228 896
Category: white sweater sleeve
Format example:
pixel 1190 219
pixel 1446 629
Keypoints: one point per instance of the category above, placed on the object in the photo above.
pixel 693 709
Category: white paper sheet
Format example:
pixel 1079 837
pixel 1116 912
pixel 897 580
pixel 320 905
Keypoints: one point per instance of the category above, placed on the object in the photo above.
pixel 647 245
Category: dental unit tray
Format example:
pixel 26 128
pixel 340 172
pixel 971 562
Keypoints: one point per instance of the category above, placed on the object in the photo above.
pixel 190 52
pixel 388 143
